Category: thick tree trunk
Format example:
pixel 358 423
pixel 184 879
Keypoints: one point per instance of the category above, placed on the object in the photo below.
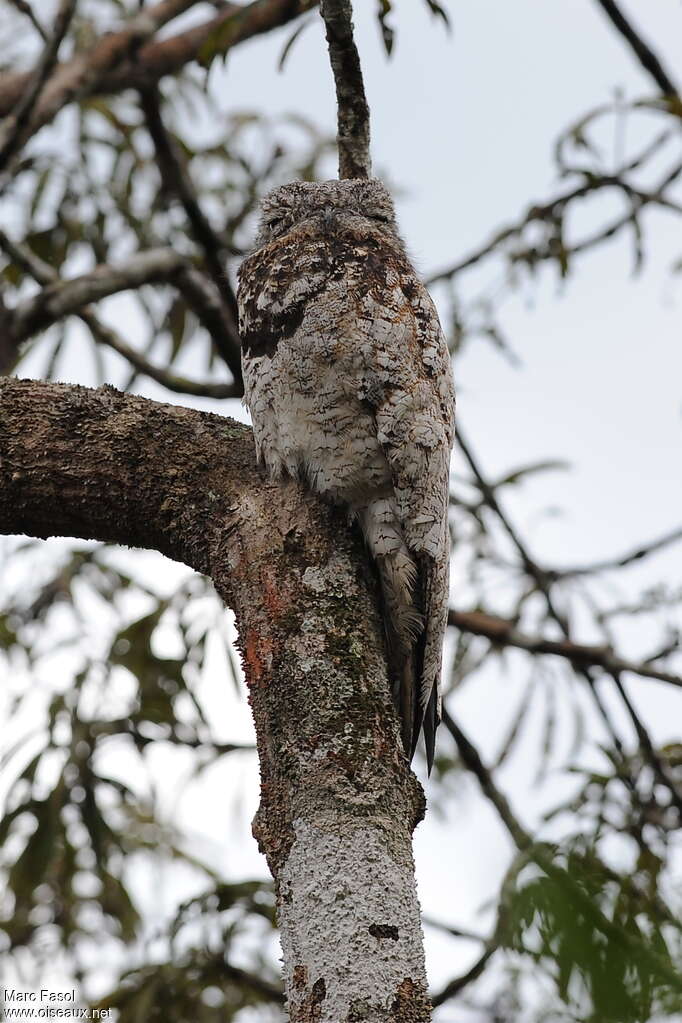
pixel 338 803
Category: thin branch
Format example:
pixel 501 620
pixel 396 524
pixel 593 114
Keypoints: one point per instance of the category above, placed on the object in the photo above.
pixel 645 55
pixel 117 727
pixel 352 108
pixel 177 181
pixel 492 944
pixel 622 561
pixel 454 932
pixel 44 274
pixel 158 58
pixel 544 583
pixel 554 209
pixel 503 632
pixel 453 987
pixel 62 298
pixel 77 77
pixel 106 335
pixel 25 8
pixel 471 759
pixel 17 128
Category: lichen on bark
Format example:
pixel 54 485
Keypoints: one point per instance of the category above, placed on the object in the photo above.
pixel 338 801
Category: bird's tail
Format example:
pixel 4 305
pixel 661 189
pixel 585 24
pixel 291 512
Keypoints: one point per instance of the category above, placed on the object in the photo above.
pixel 404 590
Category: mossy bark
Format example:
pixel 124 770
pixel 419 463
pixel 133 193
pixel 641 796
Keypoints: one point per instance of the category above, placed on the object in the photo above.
pixel 338 802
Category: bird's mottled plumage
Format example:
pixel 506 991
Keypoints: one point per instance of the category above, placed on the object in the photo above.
pixel 348 379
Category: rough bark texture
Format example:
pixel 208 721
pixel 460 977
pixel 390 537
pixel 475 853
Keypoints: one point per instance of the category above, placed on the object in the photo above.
pixel 338 804
pixel 351 103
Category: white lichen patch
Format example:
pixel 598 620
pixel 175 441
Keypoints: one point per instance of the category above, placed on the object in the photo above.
pixel 350 915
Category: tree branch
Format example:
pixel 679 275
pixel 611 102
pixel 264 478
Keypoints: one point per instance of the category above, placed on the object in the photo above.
pixel 60 298
pixel 552 212
pixel 541 855
pixel 106 335
pixel 16 129
pixel 645 55
pixel 622 560
pixel 503 632
pixel 157 58
pixel 78 77
pixel 73 462
pixel 544 582
pixel 25 8
pixel 44 274
pixel 471 759
pixel 338 802
pixel 352 109
pixel 177 181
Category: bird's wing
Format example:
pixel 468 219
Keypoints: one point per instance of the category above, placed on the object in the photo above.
pixel 408 380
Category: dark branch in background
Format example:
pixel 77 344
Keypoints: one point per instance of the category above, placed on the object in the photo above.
pixel 471 759
pixel 25 8
pixel 78 77
pixel 159 57
pixel 44 274
pixel 543 582
pixel 553 211
pixel 622 561
pixel 107 336
pixel 17 127
pixel 491 944
pixel 177 182
pixel 353 111
pixel 453 987
pixel 503 633
pixel 160 266
pixel 645 55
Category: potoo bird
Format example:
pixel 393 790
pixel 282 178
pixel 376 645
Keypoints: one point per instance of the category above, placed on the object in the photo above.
pixel 348 380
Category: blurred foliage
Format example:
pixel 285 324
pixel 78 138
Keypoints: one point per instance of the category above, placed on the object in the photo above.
pixel 105 670
pixel 622 968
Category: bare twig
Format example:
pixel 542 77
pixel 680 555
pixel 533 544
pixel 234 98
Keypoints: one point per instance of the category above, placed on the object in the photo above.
pixel 177 181
pixel 544 581
pixel 64 297
pixel 106 335
pixel 78 77
pixel 645 55
pixel 503 632
pixel 25 8
pixel 17 127
pixel 454 932
pixel 554 209
pixel 453 987
pixel 471 759
pixel 352 108
pixel 491 944
pixel 44 274
pixel 621 561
